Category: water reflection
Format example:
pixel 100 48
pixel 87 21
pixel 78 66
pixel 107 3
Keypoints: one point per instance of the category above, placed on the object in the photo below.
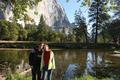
pixel 69 63
pixel 90 63
pixel 13 61
pixel 70 72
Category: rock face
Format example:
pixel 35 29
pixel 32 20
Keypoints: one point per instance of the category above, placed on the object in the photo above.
pixel 6 11
pixel 2 15
pixel 53 13
pixel 1 11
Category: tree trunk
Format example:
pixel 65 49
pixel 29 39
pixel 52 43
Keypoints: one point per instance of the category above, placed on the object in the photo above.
pixel 103 37
pixel 96 32
pixel 86 37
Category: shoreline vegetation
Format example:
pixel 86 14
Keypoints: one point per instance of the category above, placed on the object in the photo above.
pixel 22 77
pixel 26 45
pixel 21 49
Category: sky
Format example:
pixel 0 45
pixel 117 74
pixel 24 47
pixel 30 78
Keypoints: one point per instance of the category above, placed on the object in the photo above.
pixel 70 8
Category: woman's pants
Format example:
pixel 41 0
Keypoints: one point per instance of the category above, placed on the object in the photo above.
pixel 49 73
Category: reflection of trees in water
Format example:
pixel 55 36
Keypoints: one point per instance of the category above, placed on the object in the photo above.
pixel 113 60
pixel 64 58
pixel 97 67
pixel 94 64
pixel 113 72
pixel 60 66
pixel 94 59
pixel 12 58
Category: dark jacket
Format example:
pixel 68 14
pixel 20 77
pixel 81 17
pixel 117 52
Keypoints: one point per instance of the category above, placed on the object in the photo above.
pixel 35 57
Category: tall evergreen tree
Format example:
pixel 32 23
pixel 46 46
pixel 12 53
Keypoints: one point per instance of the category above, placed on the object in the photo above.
pixel 97 12
pixel 81 23
pixel 98 15
pixel 114 31
pixel 31 30
pixel 42 30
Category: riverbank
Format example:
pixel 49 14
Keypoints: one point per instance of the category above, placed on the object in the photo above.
pixel 21 49
pixel 87 77
pixel 58 45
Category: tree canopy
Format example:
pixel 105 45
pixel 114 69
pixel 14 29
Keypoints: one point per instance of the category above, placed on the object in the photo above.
pixel 8 30
pixel 19 7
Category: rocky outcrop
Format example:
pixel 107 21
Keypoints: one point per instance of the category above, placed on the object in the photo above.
pixel 1 10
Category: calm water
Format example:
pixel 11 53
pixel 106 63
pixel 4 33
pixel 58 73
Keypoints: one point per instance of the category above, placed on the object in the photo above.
pixel 69 63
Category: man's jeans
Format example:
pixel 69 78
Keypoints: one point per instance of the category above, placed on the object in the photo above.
pixel 49 73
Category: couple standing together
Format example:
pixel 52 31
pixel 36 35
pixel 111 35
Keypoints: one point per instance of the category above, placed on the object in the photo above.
pixel 42 61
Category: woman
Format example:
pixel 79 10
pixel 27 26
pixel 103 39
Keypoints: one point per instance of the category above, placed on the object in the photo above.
pixel 47 62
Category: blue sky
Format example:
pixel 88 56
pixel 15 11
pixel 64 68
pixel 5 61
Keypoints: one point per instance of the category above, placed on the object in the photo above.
pixel 70 8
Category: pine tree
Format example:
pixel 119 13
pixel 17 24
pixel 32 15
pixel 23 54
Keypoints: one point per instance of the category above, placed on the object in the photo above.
pixel 42 30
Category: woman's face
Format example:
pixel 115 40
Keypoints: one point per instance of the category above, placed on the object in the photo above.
pixel 46 47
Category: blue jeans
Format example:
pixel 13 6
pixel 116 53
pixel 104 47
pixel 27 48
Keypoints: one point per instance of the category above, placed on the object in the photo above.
pixel 49 73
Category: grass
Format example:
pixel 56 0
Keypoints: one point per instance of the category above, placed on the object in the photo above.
pixel 17 77
pixel 88 77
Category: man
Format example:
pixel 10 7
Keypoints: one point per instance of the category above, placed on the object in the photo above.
pixel 47 63
pixel 35 62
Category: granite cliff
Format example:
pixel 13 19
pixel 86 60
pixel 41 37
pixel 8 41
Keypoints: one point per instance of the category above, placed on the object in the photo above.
pixel 54 14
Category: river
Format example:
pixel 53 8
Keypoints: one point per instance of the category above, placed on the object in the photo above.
pixel 69 63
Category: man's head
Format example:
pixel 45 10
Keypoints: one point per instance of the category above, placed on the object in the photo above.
pixel 36 48
pixel 41 46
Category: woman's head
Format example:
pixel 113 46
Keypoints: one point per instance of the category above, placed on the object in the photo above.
pixel 46 47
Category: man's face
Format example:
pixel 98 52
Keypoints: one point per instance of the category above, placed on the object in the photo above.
pixel 41 46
